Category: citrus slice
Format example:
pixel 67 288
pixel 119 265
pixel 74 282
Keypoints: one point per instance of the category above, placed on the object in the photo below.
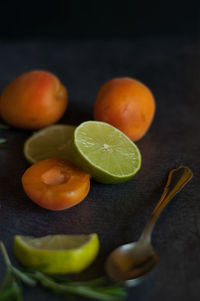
pixel 105 152
pixel 51 142
pixel 57 254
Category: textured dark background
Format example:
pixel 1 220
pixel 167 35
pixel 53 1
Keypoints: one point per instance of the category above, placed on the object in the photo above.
pixel 162 49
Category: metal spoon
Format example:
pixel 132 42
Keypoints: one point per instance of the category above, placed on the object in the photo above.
pixel 131 262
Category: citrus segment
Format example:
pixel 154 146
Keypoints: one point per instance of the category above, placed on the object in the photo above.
pixel 105 152
pixel 51 142
pixel 57 254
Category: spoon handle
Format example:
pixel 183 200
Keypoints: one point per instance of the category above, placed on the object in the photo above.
pixel 177 179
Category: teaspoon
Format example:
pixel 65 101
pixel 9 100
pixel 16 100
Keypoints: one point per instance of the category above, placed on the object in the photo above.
pixel 131 262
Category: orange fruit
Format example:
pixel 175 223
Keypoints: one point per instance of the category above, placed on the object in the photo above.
pixel 127 104
pixel 33 100
pixel 55 184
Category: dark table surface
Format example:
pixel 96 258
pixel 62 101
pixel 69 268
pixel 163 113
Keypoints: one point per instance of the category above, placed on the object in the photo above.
pixel 171 68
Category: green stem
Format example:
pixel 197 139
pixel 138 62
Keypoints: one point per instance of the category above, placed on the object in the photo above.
pixel 22 276
pixel 91 283
pixel 5 254
pixel 83 291
pixel 16 272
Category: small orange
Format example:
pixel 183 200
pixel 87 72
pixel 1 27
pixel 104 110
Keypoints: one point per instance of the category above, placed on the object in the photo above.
pixel 126 104
pixel 33 100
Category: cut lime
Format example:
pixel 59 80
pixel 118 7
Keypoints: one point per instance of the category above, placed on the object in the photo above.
pixel 105 152
pixel 57 254
pixel 51 142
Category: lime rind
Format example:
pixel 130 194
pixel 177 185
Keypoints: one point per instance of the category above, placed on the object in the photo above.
pixel 59 261
pixel 92 162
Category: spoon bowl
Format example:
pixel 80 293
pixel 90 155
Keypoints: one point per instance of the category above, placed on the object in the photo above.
pixel 131 262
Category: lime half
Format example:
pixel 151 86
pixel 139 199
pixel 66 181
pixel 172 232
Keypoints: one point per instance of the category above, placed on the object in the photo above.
pixel 57 254
pixel 105 152
pixel 51 142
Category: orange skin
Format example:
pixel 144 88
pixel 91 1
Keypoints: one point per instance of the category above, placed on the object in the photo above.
pixel 33 100
pixel 126 104
pixel 55 184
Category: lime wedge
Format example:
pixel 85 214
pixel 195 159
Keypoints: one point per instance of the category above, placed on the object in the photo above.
pixel 105 152
pixel 57 254
pixel 51 142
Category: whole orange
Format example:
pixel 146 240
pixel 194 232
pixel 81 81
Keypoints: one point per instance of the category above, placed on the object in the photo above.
pixel 33 100
pixel 126 104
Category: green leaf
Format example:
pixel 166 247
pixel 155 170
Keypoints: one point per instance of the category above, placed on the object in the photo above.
pixel 11 288
pixel 7 293
pixel 11 292
pixel 18 291
pixel 7 280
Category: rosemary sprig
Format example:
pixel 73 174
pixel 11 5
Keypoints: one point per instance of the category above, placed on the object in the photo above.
pixel 97 289
pixel 84 289
pixel 11 288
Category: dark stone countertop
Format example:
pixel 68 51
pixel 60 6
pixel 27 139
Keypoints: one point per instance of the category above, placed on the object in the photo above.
pixel 171 68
